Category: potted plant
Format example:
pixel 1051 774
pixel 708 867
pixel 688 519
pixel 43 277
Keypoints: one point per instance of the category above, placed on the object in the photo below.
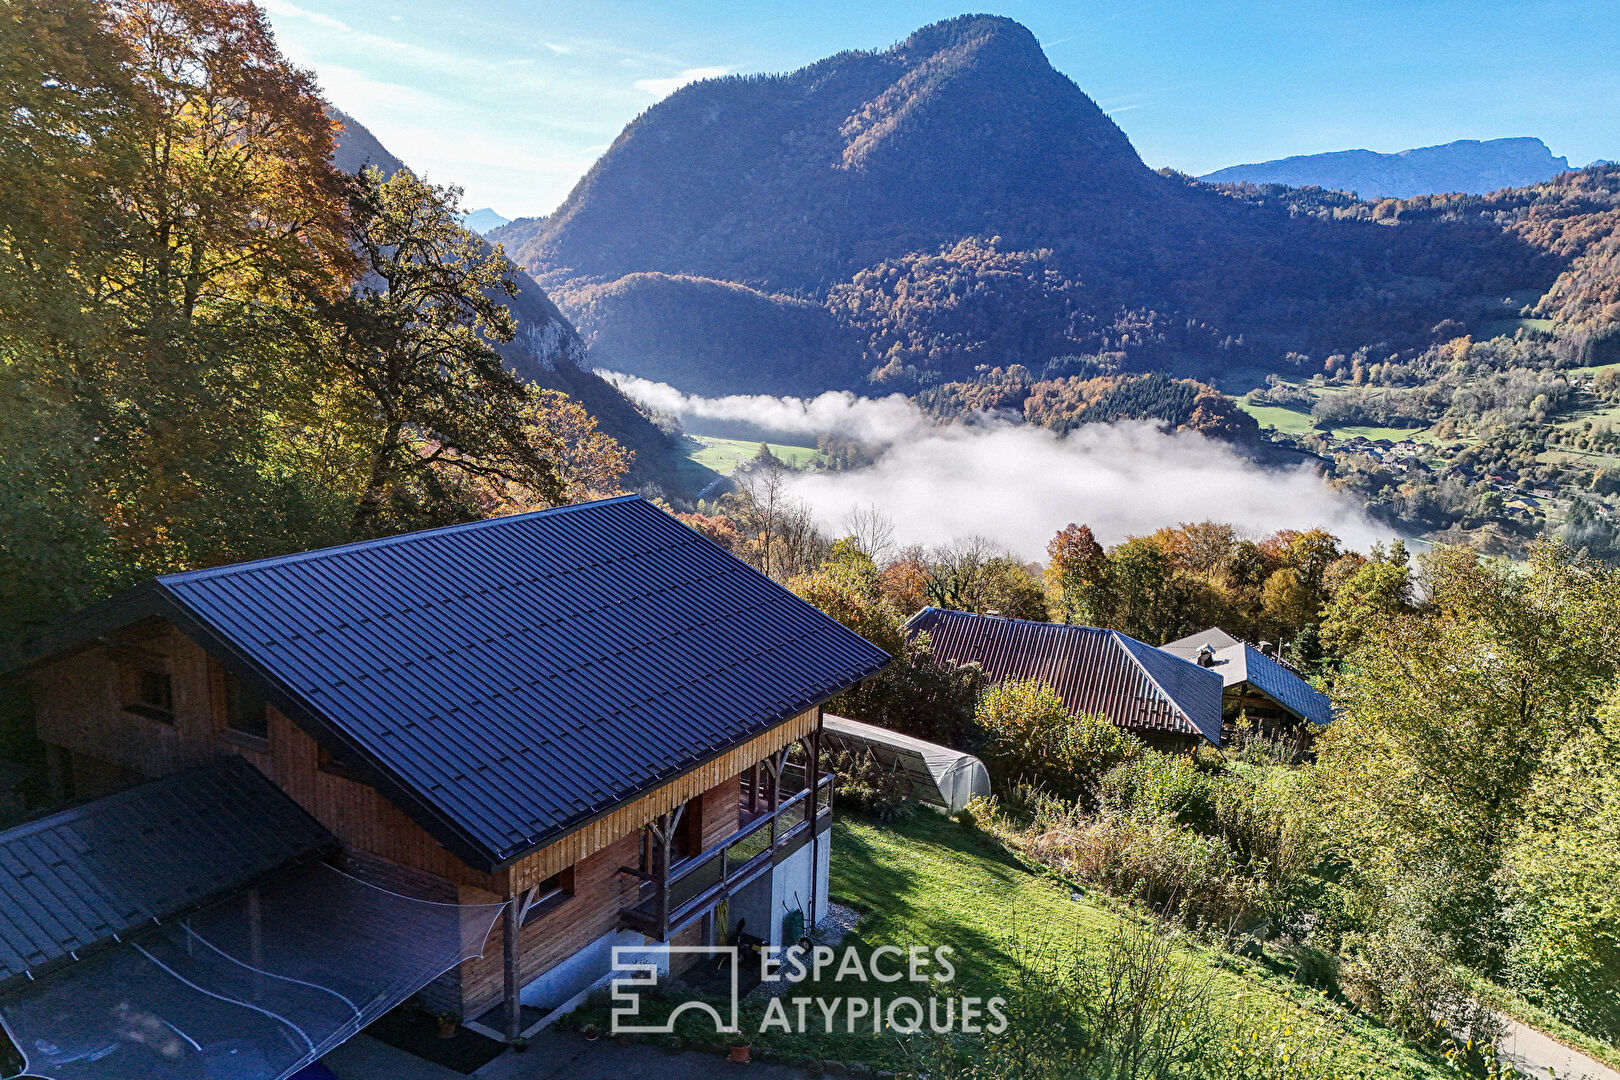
pixel 449 1024
pixel 591 1032
pixel 740 1047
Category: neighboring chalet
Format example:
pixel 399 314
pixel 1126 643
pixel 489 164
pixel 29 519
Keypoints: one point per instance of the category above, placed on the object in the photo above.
pixel 1261 688
pixel 1165 700
pixel 590 720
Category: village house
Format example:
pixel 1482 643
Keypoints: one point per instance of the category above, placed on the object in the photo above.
pixel 1258 687
pixel 570 730
pixel 1166 700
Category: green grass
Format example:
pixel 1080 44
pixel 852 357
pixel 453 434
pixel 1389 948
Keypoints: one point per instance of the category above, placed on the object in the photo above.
pixel 704 459
pixel 1508 327
pixel 1394 434
pixel 723 455
pixel 926 880
pixel 1294 422
pixel 1287 421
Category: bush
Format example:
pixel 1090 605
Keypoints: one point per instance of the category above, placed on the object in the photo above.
pixel 1164 784
pixel 869 786
pixel 1398 976
pixel 1030 738
pixel 918 696
pixel 1151 858
pixel 1273 826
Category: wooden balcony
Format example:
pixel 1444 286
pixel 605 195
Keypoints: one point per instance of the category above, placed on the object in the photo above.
pixel 676 892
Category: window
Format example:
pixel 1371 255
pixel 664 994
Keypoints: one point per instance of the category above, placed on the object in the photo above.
pixel 549 895
pixel 240 708
pixel 148 691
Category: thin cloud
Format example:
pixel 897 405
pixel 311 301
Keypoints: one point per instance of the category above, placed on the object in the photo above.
pixel 293 11
pixel 662 88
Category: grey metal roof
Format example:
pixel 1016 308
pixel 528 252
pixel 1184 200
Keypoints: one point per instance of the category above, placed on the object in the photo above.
pixel 1093 670
pixel 95 873
pixel 508 680
pixel 1239 662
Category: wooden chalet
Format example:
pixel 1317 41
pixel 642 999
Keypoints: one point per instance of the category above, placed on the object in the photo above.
pixel 591 715
pixel 1161 698
pixel 1260 688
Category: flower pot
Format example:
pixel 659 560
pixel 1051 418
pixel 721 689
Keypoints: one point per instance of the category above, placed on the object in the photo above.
pixel 739 1054
pixel 448 1029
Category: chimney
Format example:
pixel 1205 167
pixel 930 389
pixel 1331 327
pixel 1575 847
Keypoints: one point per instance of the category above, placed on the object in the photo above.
pixel 1206 656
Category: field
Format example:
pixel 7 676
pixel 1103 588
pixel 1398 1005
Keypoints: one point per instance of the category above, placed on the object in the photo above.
pixel 1293 422
pixel 1287 421
pixel 705 459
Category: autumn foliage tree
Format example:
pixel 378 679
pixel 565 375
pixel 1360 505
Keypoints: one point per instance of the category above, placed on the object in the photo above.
pixel 197 362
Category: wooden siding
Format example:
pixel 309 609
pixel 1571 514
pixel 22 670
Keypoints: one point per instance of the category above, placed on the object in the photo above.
pixel 626 819
pixel 80 710
pixel 600 893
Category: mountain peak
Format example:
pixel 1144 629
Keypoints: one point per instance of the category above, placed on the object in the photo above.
pixel 972 29
pixel 963 128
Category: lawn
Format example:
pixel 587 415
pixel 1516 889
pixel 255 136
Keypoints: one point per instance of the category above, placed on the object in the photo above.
pixel 723 455
pixel 1287 421
pixel 929 881
pixel 1293 422
pixel 1394 434
pixel 704 459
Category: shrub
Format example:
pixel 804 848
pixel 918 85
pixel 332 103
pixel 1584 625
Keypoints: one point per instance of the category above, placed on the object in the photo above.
pixel 919 696
pixel 869 786
pixel 1273 826
pixel 1163 783
pixel 1030 738
pixel 1150 857
pixel 1399 976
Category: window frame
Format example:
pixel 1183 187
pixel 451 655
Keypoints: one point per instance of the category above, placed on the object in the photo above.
pixel 132 689
pixel 225 713
pixel 547 901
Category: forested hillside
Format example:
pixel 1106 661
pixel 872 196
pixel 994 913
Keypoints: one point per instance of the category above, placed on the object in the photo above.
pixel 955 202
pixel 545 349
pixel 216 345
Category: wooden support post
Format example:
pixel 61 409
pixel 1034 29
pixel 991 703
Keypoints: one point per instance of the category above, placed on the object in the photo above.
pixel 663 837
pixel 813 778
pixel 511 926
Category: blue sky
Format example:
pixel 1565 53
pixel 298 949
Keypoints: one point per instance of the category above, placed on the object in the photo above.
pixel 514 100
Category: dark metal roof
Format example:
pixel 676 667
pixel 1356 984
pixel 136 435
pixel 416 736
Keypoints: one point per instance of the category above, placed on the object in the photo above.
pixel 1094 671
pixel 1239 662
pixel 90 875
pixel 506 681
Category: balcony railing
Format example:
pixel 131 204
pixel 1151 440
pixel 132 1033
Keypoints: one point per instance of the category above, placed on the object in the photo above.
pixel 689 887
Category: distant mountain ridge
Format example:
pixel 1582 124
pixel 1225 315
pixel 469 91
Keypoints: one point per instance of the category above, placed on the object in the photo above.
pixel 483 220
pixel 546 350
pixel 894 219
pixel 1470 166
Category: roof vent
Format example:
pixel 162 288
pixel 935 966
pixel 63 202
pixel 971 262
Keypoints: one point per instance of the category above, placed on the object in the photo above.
pixel 1206 656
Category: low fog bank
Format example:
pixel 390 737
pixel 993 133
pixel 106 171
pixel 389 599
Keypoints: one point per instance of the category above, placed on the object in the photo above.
pixel 1017 485
pixel 796 421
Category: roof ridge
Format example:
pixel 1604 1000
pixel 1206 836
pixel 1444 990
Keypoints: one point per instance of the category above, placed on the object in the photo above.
pixel 205 573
